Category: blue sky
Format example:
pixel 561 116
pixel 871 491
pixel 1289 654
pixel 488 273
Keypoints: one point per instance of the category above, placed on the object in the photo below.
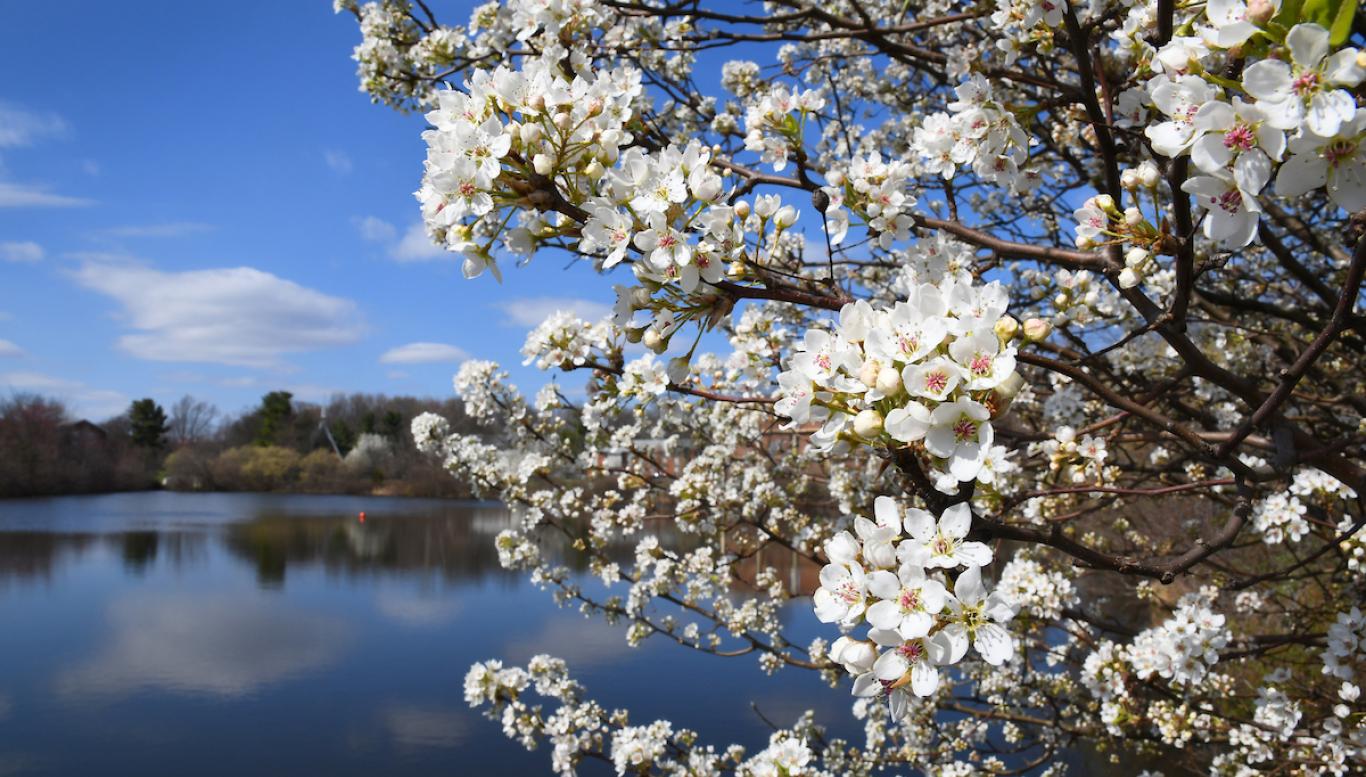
pixel 195 198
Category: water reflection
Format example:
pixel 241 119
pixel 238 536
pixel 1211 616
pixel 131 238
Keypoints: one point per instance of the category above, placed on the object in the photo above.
pixel 178 633
pixel 420 727
pixel 225 644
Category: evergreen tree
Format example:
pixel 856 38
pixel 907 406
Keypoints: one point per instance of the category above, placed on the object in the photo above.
pixel 147 424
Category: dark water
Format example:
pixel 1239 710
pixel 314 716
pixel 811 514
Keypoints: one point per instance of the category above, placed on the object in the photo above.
pixel 207 634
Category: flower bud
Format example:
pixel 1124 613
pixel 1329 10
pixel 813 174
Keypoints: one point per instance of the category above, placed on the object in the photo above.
pixel 1260 11
pixel 867 374
pixel 1105 202
pixel 708 188
pixel 742 209
pixel 785 217
pixel 765 205
pixel 1148 175
pixel 543 164
pixel 531 134
pixel 855 655
pixel 835 178
pixel 564 121
pixel 654 341
pixel 634 334
pixel 1129 179
pixel 1133 216
pixel 1136 257
pixel 889 380
pixel 1004 394
pixel 1128 278
pixel 594 170
pixel 537 102
pixel 1006 328
pixel 1036 329
pixel 868 424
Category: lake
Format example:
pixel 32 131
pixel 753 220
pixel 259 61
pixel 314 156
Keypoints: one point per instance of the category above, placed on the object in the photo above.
pixel 164 633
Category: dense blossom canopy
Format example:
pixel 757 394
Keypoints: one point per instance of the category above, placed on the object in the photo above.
pixel 1040 354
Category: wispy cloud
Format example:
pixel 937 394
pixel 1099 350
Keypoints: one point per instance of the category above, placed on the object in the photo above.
pixel 8 348
pixel 169 229
pixel 339 161
pixel 22 127
pixel 20 195
pixel 422 353
pixel 84 400
pixel 26 251
pixel 374 229
pixel 417 247
pixel 237 316
pixel 531 311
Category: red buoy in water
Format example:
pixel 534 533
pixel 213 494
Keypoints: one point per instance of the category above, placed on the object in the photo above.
pixel 362 516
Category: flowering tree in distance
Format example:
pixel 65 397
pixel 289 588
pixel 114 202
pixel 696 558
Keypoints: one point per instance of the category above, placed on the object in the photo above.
pixel 1041 344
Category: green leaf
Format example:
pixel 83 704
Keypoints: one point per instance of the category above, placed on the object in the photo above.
pixel 1341 28
pixel 1289 13
pixel 1333 15
pixel 1324 12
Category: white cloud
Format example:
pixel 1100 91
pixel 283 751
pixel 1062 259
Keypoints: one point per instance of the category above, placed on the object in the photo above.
pixel 338 161
pixel 8 348
pixel 237 316
pixel 421 353
pixel 417 247
pixel 375 230
pixel 83 400
pixel 27 251
pixel 531 311
pixel 308 392
pixel 169 229
pixel 18 195
pixel 20 127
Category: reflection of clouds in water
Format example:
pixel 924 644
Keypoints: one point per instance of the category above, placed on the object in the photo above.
pixel 205 643
pixel 417 727
pixel 581 642
pixel 18 763
pixel 416 609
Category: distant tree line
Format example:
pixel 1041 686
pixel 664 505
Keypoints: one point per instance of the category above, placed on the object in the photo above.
pixel 356 443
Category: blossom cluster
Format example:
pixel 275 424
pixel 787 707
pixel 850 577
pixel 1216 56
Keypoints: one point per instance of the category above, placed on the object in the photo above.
pixel 1184 647
pixel 528 121
pixel 1292 118
pixel 978 132
pixel 934 370
pixel 889 574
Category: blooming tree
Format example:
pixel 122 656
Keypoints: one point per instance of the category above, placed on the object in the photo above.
pixel 1039 341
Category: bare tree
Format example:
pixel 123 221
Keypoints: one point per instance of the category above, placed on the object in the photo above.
pixel 192 421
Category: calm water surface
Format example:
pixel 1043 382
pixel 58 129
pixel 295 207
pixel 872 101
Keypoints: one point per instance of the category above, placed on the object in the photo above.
pixel 205 634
